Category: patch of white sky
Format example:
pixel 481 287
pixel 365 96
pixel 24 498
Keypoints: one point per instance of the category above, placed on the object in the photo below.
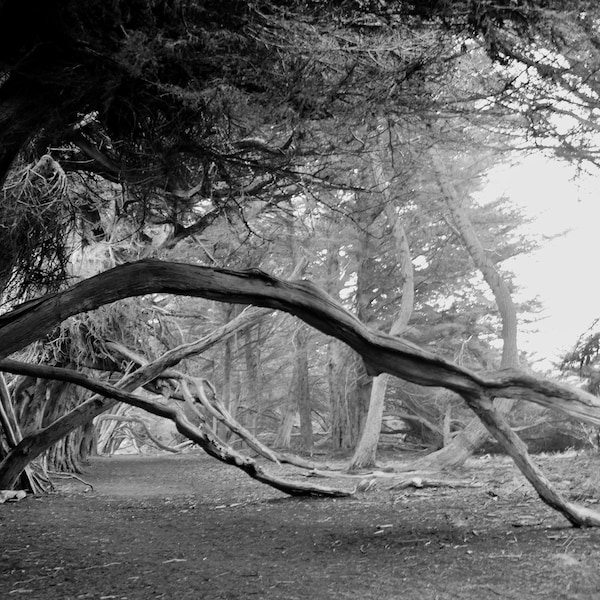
pixel 562 272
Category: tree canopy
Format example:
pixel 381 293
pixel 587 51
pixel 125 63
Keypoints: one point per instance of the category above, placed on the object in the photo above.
pixel 199 107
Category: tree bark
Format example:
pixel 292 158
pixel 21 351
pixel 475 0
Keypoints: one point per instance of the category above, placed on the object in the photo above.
pixel 230 391
pixel 251 349
pixel 336 376
pixel 381 352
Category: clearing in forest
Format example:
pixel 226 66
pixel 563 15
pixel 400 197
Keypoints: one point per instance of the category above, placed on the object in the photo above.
pixel 189 527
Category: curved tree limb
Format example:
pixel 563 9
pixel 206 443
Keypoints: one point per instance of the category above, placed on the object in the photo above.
pixel 36 443
pixel 381 352
pixel 207 442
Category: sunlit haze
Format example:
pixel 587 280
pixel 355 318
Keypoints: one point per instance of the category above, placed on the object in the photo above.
pixel 562 273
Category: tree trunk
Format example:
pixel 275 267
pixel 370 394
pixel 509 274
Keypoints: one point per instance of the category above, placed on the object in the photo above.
pixel 336 373
pixel 229 382
pixel 252 395
pixel 338 385
pixel 475 433
pixel 107 429
pixel 283 439
pixel 302 391
pixel 365 454
pixel 360 380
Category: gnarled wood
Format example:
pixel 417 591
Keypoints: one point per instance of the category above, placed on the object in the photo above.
pixel 207 442
pixel 32 446
pixel 381 353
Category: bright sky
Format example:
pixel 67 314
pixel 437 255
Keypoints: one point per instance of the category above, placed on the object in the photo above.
pixel 563 273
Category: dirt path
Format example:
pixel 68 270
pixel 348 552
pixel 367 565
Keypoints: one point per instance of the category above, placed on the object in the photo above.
pixel 186 527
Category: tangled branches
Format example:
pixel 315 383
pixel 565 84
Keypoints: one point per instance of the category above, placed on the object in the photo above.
pixel 34 220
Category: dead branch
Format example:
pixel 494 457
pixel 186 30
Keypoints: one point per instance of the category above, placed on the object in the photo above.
pixel 216 409
pixel 207 442
pixel 419 482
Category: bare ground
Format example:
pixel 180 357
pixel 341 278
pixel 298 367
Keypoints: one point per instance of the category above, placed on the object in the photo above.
pixel 186 527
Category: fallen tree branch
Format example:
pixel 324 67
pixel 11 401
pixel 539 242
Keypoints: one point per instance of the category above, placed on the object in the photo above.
pixel 207 442
pixel 217 409
pixel 224 417
pixel 36 443
pixel 419 482
pixel 382 353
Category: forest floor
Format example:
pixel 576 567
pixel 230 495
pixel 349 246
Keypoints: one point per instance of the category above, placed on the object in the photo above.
pixel 187 527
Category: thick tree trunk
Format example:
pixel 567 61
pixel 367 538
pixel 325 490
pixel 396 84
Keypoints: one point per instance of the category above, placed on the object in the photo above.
pixel 336 373
pixel 337 380
pixel 107 428
pixel 229 387
pixel 283 439
pixel 366 250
